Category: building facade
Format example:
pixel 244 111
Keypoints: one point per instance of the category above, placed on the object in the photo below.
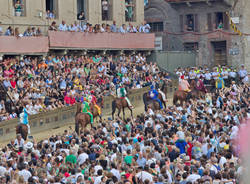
pixel 201 26
pixel 24 13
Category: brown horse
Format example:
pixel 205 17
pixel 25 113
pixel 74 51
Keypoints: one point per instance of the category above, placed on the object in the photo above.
pixel 120 104
pixel 81 118
pixel 182 96
pixel 23 130
pixel 154 105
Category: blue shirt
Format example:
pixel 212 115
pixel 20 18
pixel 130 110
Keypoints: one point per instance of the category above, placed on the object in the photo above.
pixel 181 145
pixel 141 162
pixel 154 93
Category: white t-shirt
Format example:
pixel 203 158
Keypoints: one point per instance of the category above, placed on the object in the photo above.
pixel 193 177
pixel 82 158
pixel 26 174
pixel 143 175
pixel 2 170
pixel 116 173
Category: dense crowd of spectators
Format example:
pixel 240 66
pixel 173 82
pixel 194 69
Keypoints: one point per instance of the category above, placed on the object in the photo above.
pixel 30 31
pixel 62 80
pixel 189 144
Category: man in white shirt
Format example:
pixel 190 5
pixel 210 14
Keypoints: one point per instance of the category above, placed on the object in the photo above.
pixel 63 26
pixel 146 27
pixel 25 173
pixel 194 177
pixel 242 72
pixel 82 157
pixel 123 29
pixel 115 171
pixel 208 77
pixel 145 175
pixel 224 74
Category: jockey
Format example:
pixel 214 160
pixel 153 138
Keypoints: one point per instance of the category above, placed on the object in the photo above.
pixel 23 118
pixel 162 94
pixel 200 85
pixel 153 93
pixel 86 109
pixel 94 101
pixel 184 85
pixel 121 93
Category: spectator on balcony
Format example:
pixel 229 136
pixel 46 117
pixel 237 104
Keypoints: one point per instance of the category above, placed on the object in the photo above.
pixel 33 31
pixel 73 28
pixel 108 30
pixel 97 28
pixel 1 29
pixel 103 28
pixel 190 26
pixel 146 27
pixel 18 8
pixel 50 15
pixel 9 31
pixel 17 33
pixel 105 9
pixel 53 26
pixel 113 27
pixel 220 25
pixel 27 32
pixel 81 16
pixel 131 28
pixel 123 29
pixel 63 26
pixel 38 32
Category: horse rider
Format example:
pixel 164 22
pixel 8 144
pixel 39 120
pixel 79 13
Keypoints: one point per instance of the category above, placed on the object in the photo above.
pixel 121 93
pixel 86 109
pixel 94 101
pixel 24 118
pixel 153 93
pixel 184 86
pixel 162 94
pixel 200 85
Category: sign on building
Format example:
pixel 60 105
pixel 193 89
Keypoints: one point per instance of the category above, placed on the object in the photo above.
pixel 234 51
pixel 158 43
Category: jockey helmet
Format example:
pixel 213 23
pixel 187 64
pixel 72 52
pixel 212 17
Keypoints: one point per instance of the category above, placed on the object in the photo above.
pixel 182 77
pixel 152 87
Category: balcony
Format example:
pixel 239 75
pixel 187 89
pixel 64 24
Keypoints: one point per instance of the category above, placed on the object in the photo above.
pixel 99 41
pixel 23 45
pixel 76 40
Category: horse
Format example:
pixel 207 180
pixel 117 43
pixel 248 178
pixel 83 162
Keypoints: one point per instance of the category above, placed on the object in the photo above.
pixel 195 92
pixel 81 118
pixel 120 104
pixel 23 130
pixel 154 105
pixel 94 109
pixel 182 96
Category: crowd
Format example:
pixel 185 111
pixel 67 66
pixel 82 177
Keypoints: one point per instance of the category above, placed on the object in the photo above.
pixel 228 74
pixel 59 81
pixel 114 28
pixel 190 144
pixel 30 31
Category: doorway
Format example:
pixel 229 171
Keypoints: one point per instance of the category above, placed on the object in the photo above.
pixel 220 52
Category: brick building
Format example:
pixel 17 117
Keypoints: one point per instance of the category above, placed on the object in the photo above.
pixel 201 26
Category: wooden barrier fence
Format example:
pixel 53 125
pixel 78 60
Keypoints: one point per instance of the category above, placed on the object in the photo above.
pixel 63 116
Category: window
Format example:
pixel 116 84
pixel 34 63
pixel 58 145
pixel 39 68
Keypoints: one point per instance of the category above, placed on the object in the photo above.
pixel 19 7
pixel 209 22
pixel 181 23
pixel 221 20
pixel 51 9
pixel 191 46
pixel 130 13
pixel 156 26
pixel 81 10
pixel 192 22
pixel 106 10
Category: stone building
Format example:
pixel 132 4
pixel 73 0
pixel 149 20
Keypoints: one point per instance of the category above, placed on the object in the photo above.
pixel 34 12
pixel 201 26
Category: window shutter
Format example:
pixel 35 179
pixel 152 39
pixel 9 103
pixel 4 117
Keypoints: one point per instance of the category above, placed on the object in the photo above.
pixel 225 21
pixel 209 22
pixel 181 23
pixel 196 23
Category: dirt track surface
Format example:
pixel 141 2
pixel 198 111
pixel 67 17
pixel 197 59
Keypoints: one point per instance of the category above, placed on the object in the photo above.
pixel 59 131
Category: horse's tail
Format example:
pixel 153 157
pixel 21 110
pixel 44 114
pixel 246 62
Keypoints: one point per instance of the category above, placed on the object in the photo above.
pixel 144 97
pixel 113 106
pixel 175 99
pixel 78 110
pixel 77 127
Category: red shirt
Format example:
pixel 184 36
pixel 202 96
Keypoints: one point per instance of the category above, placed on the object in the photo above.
pixel 189 150
pixel 13 83
pixel 72 100
pixel 67 99
pixel 93 100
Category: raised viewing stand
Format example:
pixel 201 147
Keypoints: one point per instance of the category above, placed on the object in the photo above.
pixel 75 40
